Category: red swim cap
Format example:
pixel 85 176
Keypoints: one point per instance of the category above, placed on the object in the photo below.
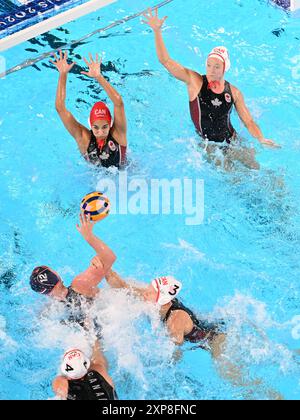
pixel 100 111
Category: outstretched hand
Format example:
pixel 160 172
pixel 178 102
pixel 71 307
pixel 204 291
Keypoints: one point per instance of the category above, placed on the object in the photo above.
pixel 96 262
pixel 270 143
pixel 61 63
pixel 94 66
pixel 153 20
pixel 86 225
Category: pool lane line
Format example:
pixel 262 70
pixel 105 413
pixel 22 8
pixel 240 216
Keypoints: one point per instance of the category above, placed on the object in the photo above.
pixel 31 62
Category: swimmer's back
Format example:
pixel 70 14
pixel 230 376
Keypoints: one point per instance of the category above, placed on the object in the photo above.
pixel 93 387
pixel 201 331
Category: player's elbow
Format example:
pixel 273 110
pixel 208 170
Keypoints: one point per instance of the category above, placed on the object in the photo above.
pixel 60 108
pixel 111 259
pixel 164 61
pixel 118 101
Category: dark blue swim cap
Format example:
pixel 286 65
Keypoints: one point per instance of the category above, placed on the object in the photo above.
pixel 43 280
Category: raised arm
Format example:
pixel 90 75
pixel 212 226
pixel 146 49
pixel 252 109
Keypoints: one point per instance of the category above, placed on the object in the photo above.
pixel 120 124
pixel 248 120
pixel 174 68
pixel 77 131
pixel 86 283
pixel 104 253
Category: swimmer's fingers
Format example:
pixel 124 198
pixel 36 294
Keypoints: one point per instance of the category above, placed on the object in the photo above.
pixel 54 56
pixel 84 218
pixel 97 60
pixel 276 146
pixel 148 13
pixel 86 222
pixel 156 11
pixel 270 143
pixel 61 54
pixel 91 58
pixel 79 226
pixel 86 62
pixel 81 219
pixel 153 21
pixel 96 262
pixel 90 221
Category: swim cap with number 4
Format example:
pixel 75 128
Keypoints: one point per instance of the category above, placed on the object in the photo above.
pixel 96 205
pixel 75 364
pixel 167 289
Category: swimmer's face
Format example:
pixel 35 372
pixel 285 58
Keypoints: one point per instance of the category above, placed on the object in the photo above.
pixel 214 69
pixel 100 129
pixel 150 294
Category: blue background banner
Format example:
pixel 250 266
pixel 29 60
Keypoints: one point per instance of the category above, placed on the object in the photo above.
pixel 8 5
pixel 17 16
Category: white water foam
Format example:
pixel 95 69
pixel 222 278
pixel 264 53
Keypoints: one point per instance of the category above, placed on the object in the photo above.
pixel 249 322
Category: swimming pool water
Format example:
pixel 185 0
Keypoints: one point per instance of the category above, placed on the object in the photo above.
pixel 241 264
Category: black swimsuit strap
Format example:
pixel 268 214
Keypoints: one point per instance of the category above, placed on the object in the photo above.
pixel 176 306
pixel 168 314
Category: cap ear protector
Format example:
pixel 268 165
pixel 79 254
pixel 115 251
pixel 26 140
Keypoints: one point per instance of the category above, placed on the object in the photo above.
pixel 75 364
pixel 167 289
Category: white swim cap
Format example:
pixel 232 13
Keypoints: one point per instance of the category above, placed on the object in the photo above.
pixel 167 289
pixel 75 364
pixel 221 53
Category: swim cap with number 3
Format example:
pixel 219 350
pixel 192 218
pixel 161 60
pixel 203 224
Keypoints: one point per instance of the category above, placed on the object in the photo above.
pixel 167 289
